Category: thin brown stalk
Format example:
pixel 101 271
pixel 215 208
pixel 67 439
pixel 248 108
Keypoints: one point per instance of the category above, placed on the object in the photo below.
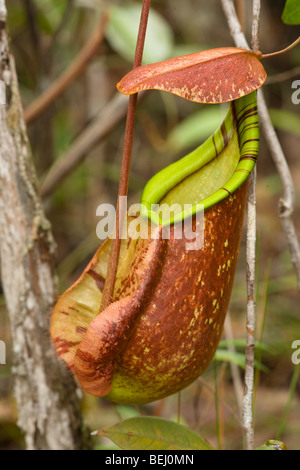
pixel 235 372
pixel 47 399
pixel 286 49
pixel 248 411
pixel 286 202
pixel 106 120
pixel 250 318
pixel 227 407
pixel 281 77
pixel 77 67
pixel 3 11
pixel 241 13
pixel 125 168
pixel 234 24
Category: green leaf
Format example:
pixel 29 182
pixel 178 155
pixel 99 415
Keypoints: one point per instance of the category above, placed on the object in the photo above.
pixel 195 128
pixel 151 433
pixel 49 15
pixel 236 358
pixel 122 30
pixel 241 343
pixel 272 445
pixel 285 120
pixel 291 12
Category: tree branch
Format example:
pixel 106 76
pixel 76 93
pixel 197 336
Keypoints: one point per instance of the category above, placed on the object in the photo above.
pixel 3 11
pixel 234 24
pixel 286 202
pixel 247 409
pixel 77 67
pixel 46 395
pixel 94 133
pixel 281 77
pixel 125 168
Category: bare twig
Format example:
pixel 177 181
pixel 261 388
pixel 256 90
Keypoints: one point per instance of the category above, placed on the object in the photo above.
pixel 76 68
pixel 46 394
pixel 250 320
pixel 286 202
pixel 123 186
pixel 96 131
pixel 286 49
pixel 232 412
pixel 3 11
pixel 235 372
pixel 281 77
pixel 247 410
pixel 241 13
pixel 234 24
pixel 255 25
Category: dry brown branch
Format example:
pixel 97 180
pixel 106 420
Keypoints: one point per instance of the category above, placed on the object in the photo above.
pixel 46 395
pixel 235 371
pixel 250 318
pixel 76 68
pixel 234 24
pixel 96 131
pixel 247 409
pixel 286 202
pixel 282 51
pixel 241 13
pixel 281 77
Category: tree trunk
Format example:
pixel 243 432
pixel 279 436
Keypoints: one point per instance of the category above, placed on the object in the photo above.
pixel 46 394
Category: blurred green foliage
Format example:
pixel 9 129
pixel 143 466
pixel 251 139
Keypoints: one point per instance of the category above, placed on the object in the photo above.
pixel 291 12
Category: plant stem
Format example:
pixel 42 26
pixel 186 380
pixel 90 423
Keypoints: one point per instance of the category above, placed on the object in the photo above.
pixel 248 414
pixel 281 77
pixel 250 321
pixel 286 203
pixel 288 48
pixel 101 125
pixel 125 168
pixel 46 395
pixel 255 25
pixel 3 11
pixel 293 385
pixel 76 68
pixel 262 326
pixel 235 372
pixel 234 24
pixel 241 13
pixel 217 411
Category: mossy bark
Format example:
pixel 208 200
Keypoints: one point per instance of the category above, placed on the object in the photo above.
pixel 46 395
